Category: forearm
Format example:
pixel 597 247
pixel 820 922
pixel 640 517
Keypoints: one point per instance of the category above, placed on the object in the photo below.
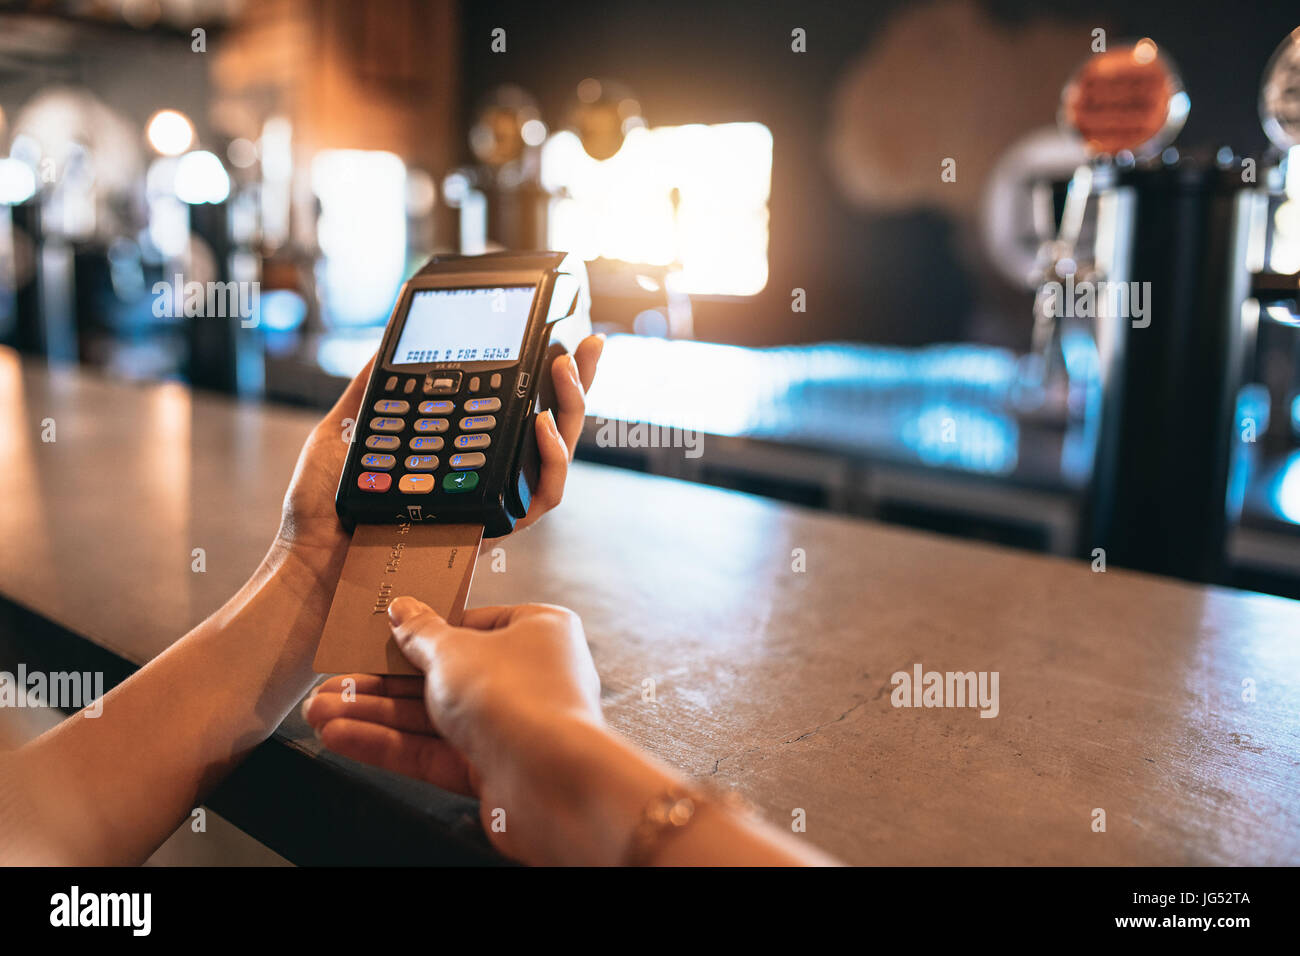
pixel 113 787
pixel 600 787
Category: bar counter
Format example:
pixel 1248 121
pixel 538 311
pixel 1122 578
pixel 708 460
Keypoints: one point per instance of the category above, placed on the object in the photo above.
pixel 1118 691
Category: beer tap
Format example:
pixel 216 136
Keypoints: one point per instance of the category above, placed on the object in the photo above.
pixel 1125 104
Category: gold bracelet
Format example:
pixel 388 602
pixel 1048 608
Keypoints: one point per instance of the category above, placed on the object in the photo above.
pixel 668 813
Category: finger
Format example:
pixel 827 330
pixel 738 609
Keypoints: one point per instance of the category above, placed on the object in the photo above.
pixel 588 355
pixel 414 755
pixel 570 400
pixel 554 470
pixel 416 630
pixel 350 400
pixel 373 684
pixel 492 618
pixel 400 713
pixel 488 618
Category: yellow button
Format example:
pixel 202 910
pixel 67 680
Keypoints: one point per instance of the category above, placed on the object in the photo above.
pixel 415 484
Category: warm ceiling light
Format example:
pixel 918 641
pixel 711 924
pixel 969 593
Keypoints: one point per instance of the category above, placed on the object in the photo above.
pixel 1144 51
pixel 533 132
pixel 170 132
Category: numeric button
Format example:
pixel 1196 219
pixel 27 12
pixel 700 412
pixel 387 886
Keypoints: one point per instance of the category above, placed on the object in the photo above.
pixel 386 424
pixel 478 423
pixel 425 425
pixel 468 442
pixel 426 443
pixel 390 406
pixel 481 405
pixel 383 442
pixel 439 407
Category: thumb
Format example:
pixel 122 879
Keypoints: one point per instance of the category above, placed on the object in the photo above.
pixel 347 402
pixel 415 626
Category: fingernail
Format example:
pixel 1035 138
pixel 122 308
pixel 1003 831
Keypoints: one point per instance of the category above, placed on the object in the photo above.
pixel 573 371
pixel 551 427
pixel 306 704
pixel 405 608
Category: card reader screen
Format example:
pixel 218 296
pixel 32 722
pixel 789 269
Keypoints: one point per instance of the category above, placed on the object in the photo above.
pixel 464 325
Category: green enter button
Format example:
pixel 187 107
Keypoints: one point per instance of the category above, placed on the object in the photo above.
pixel 457 481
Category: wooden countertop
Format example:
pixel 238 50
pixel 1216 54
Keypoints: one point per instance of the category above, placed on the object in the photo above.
pixel 1117 691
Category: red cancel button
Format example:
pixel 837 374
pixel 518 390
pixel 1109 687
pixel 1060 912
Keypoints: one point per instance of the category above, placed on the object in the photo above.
pixel 374 481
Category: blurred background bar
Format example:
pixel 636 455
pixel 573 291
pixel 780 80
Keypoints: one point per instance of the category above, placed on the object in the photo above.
pixel 831 287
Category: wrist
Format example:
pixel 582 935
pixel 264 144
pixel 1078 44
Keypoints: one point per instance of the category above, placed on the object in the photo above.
pixel 595 788
pixel 290 595
pixel 311 575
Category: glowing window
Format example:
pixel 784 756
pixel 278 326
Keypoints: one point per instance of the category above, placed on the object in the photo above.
pixel 361 231
pixel 1285 256
pixel 714 226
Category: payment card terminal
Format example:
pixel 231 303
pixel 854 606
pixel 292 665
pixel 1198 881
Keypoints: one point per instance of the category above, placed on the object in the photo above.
pixel 444 450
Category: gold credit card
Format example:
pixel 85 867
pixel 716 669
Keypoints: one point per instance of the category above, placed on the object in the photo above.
pixel 433 563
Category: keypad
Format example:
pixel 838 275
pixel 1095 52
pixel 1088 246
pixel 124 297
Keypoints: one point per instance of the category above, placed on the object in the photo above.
pixel 422 472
